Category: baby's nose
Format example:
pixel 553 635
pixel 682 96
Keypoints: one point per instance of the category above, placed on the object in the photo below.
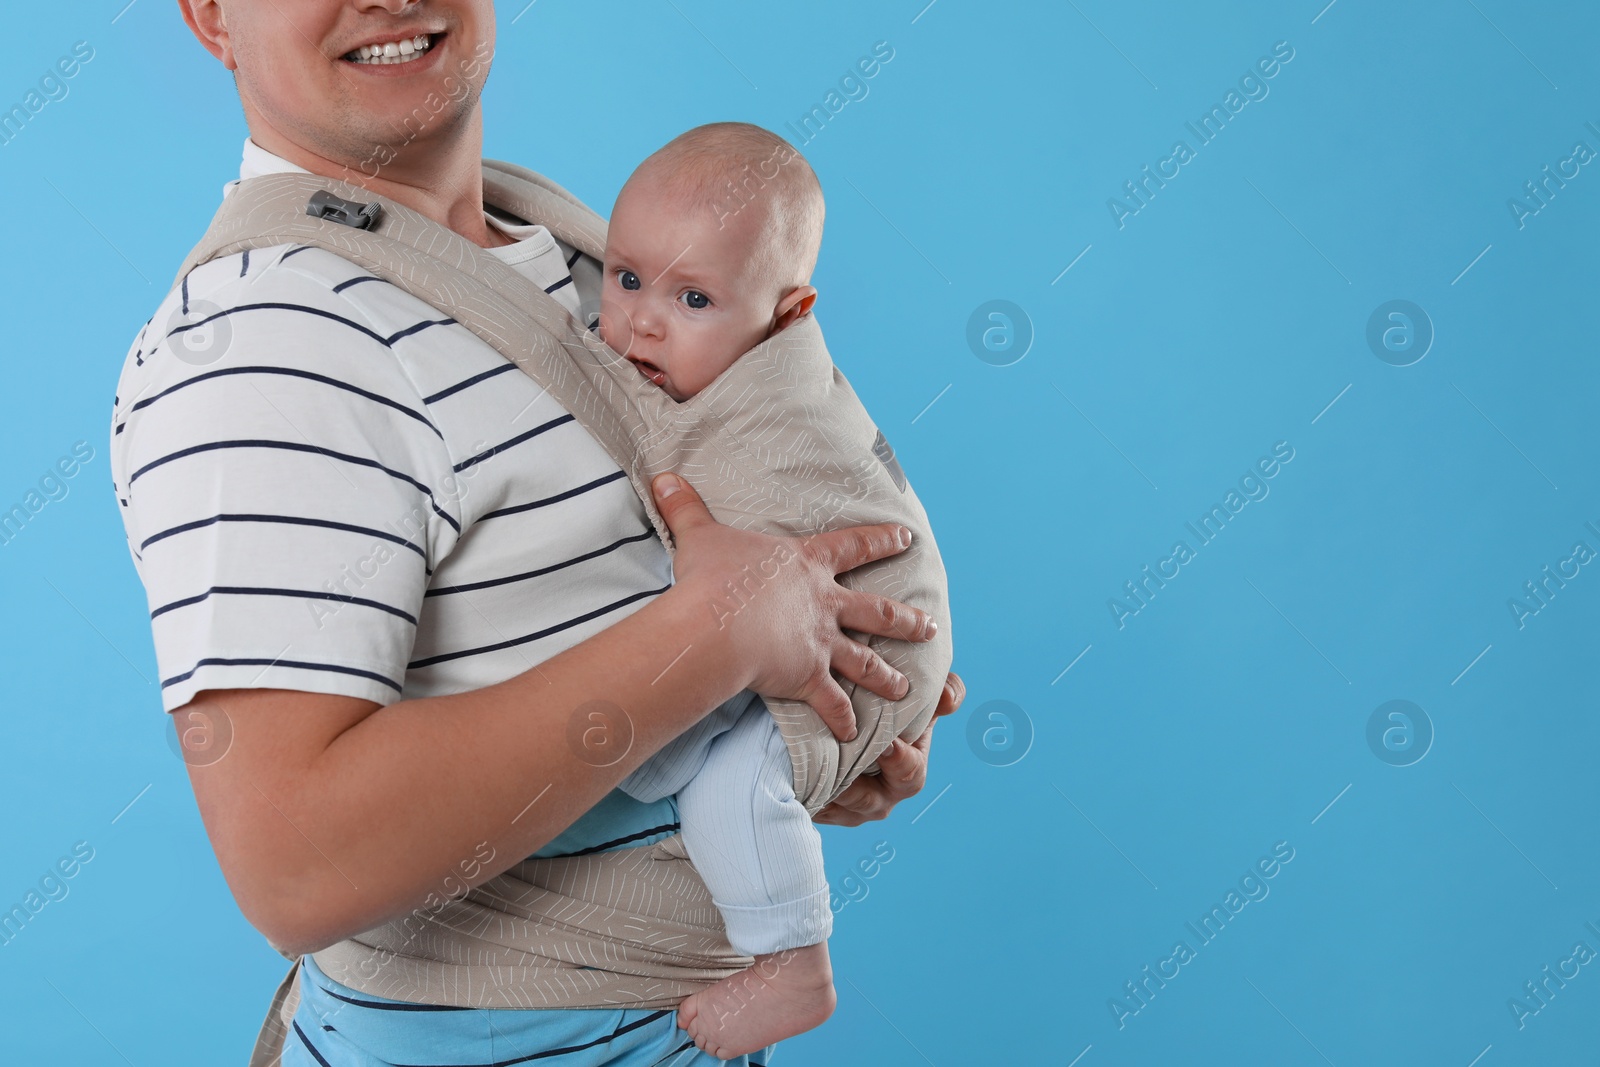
pixel 649 324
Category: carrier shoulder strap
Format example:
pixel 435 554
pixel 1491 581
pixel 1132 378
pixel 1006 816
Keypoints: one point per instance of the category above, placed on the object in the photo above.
pixel 445 270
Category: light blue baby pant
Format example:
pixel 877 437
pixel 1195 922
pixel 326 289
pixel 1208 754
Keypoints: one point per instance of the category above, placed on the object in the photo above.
pixel 749 837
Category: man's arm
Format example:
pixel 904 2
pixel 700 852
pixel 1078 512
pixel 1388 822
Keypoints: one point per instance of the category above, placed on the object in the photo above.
pixel 331 815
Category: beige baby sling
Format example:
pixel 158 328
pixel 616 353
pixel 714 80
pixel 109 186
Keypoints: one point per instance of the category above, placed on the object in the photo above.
pixel 778 443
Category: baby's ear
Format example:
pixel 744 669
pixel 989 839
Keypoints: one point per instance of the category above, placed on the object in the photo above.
pixel 795 306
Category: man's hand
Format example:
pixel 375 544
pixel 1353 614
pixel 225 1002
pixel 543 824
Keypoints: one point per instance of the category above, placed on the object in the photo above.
pixel 779 602
pixel 903 767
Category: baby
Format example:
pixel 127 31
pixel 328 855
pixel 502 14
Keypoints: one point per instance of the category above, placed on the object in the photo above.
pixel 710 251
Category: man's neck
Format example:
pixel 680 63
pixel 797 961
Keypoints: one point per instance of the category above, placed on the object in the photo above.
pixel 445 183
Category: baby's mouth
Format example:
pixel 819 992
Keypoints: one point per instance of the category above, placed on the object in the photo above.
pixel 649 370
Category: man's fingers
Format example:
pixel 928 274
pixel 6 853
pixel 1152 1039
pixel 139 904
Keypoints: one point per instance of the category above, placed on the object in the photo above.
pixel 829 702
pixel 869 613
pixel 863 801
pixel 903 771
pixel 893 761
pixel 955 691
pixel 865 667
pixel 834 815
pixel 679 504
pixel 904 768
pixel 847 549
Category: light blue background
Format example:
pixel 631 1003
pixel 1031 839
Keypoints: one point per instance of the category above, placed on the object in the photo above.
pixel 1223 318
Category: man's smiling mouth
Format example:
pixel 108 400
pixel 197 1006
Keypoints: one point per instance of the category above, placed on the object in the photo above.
pixel 402 50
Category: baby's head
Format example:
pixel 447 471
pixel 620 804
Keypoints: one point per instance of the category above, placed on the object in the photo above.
pixel 710 252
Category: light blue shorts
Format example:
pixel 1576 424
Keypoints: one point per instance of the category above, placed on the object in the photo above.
pixel 336 1026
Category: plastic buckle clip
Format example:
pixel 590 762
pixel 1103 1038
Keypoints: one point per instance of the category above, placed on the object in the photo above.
pixel 324 205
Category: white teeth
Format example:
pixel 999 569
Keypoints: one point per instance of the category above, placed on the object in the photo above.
pixel 403 51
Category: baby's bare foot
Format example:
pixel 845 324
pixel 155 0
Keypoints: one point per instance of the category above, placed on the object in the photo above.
pixel 780 995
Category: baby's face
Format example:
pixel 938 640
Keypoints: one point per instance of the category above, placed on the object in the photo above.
pixel 683 297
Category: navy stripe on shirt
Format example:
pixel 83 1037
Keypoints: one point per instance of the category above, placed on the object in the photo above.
pixel 252 661
pixel 292 373
pixel 278 306
pixel 287 519
pixel 474 380
pixel 665 828
pixel 537 634
pixel 387 342
pixel 380 1006
pixel 540 572
pixel 557 498
pixel 357 280
pixel 418 328
pixel 306 1041
pixel 306 594
pixel 559 420
pixel 293 446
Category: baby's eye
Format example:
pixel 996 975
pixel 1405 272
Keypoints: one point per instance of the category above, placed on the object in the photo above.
pixel 696 299
pixel 627 279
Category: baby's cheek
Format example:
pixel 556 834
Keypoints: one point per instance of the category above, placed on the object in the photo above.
pixel 707 356
pixel 613 325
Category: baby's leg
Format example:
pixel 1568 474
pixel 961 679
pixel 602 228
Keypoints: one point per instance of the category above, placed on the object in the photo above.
pixel 761 857
pixel 670 769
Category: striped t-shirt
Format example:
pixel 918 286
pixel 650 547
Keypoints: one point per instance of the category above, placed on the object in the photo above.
pixel 328 485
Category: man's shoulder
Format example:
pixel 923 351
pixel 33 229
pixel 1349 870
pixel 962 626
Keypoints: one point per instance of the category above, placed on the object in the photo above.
pixel 269 306
pixel 305 290
pixel 252 275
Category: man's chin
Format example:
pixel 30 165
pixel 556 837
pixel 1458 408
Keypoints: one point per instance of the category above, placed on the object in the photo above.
pixel 398 141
